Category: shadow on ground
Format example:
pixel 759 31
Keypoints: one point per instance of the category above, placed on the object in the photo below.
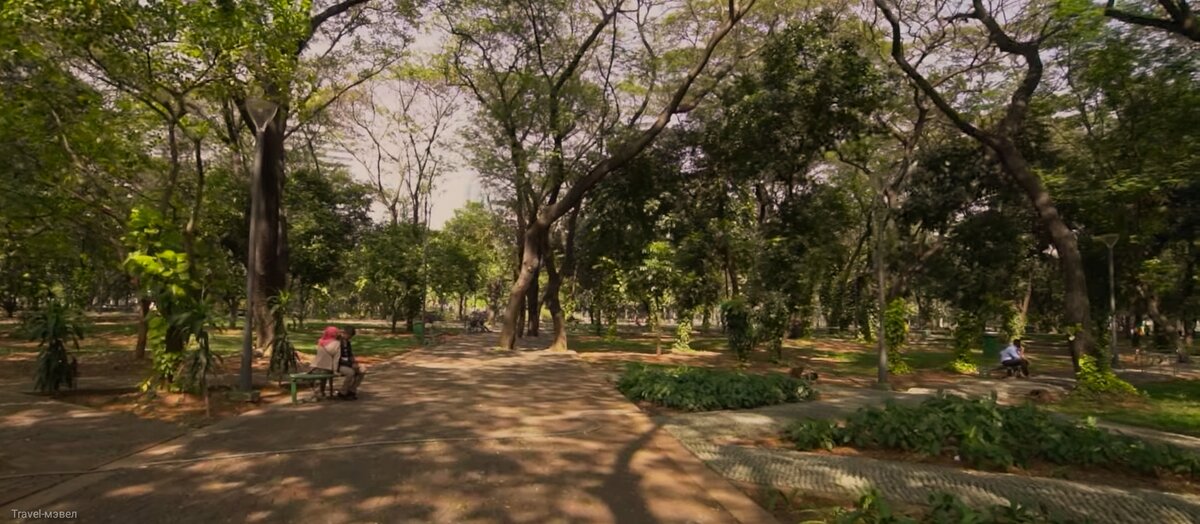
pixel 457 433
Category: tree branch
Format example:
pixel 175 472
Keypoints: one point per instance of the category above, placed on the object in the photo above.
pixel 901 60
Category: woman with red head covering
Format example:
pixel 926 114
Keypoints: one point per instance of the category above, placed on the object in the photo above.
pixel 329 348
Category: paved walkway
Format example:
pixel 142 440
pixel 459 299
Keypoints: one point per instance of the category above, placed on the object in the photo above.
pixel 456 433
pixel 41 436
pixel 714 437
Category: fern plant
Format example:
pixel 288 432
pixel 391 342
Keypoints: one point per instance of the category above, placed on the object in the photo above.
pixel 54 327
pixel 283 352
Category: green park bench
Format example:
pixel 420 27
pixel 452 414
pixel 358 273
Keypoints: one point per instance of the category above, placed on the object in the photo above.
pixel 325 383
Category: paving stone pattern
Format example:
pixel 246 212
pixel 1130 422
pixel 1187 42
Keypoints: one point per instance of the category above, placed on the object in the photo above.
pixel 708 436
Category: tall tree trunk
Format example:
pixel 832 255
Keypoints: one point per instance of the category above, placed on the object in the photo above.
pixel 525 275
pixel 553 287
pixel 1076 308
pixel 532 303
pixel 143 328
pixel 270 257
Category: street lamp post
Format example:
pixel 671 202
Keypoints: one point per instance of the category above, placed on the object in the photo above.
pixel 1110 240
pixel 261 112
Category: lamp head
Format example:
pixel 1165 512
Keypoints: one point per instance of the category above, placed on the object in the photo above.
pixel 1109 239
pixel 261 111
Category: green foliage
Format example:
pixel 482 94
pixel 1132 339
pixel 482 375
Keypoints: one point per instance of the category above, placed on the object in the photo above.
pixel 199 362
pixel 895 325
pixel 704 389
pixel 964 367
pixel 1094 379
pixel 283 352
pixel 773 319
pixel 739 328
pixel 1014 323
pixel 968 334
pixel 390 272
pixel 944 508
pixel 895 329
pixel 812 433
pixel 985 435
pixel 327 213
pixel 683 332
pixel 54 327
pixel 158 260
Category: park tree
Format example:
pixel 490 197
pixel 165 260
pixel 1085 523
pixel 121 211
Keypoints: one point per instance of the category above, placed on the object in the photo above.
pixel 475 239
pixel 1128 144
pixel 390 273
pixel 295 55
pixel 542 51
pixel 1174 16
pixel 327 218
pixel 1016 45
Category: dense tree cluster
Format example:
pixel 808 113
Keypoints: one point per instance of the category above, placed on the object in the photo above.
pixel 856 167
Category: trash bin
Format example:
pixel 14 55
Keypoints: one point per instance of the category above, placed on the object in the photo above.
pixel 991 349
pixel 419 331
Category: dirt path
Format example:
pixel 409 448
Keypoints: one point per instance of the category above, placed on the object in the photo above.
pixel 457 433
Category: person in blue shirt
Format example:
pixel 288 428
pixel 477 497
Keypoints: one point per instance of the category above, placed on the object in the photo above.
pixel 1013 358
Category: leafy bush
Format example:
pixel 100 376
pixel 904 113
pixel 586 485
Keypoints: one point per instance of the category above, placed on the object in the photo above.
pixel 1095 379
pixel 1014 322
pixel 54 327
pixel 283 352
pixel 967 334
pixel 738 327
pixel 683 332
pixel 773 318
pixel 944 508
pixel 813 433
pixel 964 367
pixel 985 435
pixel 895 326
pixel 704 389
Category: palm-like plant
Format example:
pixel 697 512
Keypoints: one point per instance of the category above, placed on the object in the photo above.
pixel 54 327
pixel 283 352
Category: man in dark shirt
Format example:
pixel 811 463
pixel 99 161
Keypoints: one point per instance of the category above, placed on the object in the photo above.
pixel 348 367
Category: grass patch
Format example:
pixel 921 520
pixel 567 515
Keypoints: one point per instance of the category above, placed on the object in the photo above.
pixel 1166 406
pixel 985 435
pixel 109 336
pixel 705 389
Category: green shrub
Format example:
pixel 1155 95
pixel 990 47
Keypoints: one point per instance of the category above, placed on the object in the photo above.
pixel 967 339
pixel 704 389
pixel 54 327
pixel 773 318
pixel 1094 379
pixel 895 325
pixel 683 332
pixel 944 508
pixel 964 367
pixel 812 433
pixel 1014 322
pixel 985 435
pixel 739 328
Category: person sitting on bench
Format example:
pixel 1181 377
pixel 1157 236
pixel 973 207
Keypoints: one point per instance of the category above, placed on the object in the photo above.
pixel 329 349
pixel 348 367
pixel 1013 358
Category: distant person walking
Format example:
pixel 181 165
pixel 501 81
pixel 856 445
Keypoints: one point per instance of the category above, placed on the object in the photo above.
pixel 1013 358
pixel 348 367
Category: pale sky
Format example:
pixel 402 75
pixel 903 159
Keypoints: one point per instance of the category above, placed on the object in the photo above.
pixel 458 184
